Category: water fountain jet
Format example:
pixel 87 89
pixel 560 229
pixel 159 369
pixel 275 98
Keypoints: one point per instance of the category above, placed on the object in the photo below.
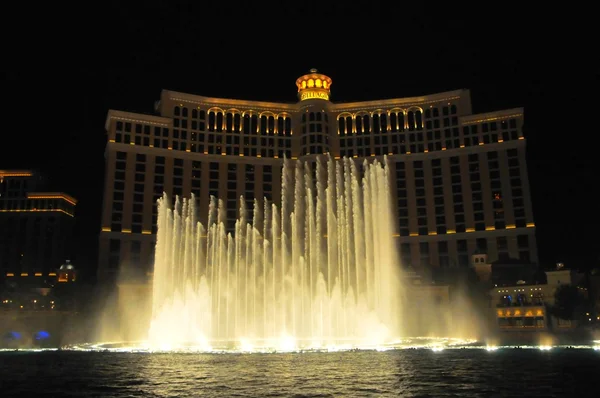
pixel 321 270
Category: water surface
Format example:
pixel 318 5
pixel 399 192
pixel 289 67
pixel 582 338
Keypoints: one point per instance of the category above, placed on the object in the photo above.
pixel 407 373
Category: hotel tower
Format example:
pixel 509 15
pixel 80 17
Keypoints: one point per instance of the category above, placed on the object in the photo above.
pixel 459 179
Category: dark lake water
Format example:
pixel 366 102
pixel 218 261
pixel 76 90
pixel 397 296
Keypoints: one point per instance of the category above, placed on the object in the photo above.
pixel 406 373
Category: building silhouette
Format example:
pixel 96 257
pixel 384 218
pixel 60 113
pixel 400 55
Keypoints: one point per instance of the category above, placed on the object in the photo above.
pixel 36 226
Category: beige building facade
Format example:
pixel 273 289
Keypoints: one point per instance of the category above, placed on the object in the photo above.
pixel 459 179
pixel 525 306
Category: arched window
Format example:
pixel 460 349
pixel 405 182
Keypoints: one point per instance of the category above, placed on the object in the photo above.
pixel 288 125
pixel 229 122
pixel 418 120
pixel 211 121
pixel 219 123
pixel 237 122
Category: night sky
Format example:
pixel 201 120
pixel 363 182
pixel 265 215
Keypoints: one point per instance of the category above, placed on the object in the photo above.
pixel 68 67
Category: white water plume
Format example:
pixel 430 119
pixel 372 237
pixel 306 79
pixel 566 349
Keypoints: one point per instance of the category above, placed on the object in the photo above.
pixel 319 270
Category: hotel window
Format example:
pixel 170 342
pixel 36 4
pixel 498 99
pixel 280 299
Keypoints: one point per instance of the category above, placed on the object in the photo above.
pixel 421 209
pixel 284 125
pixel 198 124
pixel 463 254
pixel 498 192
pixel 138 195
pixel 118 191
pixel 159 176
pixel 119 131
pixel 363 123
pixel 402 200
pixel 397 121
pixel 438 196
pixel 481 244
pixel 138 134
pixel 516 188
pixel 177 177
pixel 249 124
pixel 196 178
pixel 213 180
pixel 249 191
pixel 473 140
pixel 502 245
pixel 457 194
pixel 231 204
pixel 127 133
pixel 414 119
pixel 476 190
pixel 268 182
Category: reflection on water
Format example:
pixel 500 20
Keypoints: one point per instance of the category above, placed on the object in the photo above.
pixel 408 373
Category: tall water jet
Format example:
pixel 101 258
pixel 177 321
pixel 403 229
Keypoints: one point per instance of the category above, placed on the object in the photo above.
pixel 319 271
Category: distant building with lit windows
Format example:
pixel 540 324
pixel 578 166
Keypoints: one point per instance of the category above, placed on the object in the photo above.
pixel 459 179
pixel 35 226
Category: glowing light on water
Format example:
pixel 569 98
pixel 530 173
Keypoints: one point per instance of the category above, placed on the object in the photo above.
pixel 320 270
pixel 246 346
pixel 287 343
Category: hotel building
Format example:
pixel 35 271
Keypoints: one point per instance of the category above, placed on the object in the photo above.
pixel 460 179
pixel 35 226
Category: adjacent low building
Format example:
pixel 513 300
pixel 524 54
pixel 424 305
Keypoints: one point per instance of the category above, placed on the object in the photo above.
pixel 36 280
pixel 36 226
pixel 525 306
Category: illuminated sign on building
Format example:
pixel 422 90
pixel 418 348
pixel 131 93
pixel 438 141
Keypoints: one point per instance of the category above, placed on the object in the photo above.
pixel 306 95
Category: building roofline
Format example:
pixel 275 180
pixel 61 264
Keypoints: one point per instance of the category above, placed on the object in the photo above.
pixel 520 286
pixel 422 99
pixel 16 173
pixel 135 117
pixel 52 195
pixel 491 116
pixel 201 100
pixel 293 107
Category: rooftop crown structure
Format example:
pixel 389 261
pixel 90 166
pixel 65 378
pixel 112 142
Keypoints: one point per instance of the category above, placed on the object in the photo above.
pixel 313 86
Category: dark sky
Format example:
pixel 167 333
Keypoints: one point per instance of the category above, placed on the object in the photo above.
pixel 65 68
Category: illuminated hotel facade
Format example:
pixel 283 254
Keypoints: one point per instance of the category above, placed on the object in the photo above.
pixel 35 226
pixel 459 179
